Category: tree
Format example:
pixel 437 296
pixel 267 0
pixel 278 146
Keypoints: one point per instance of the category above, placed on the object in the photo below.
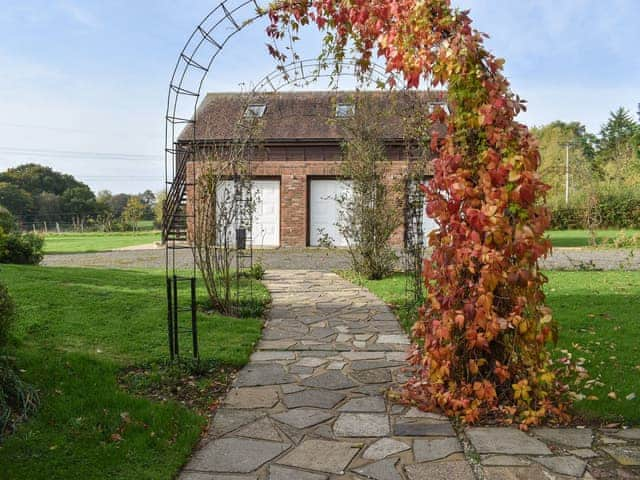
pixel 133 212
pixel 18 201
pixel 158 208
pixel 226 206
pixel 36 179
pixel 368 215
pixel 479 345
pixel 618 146
pixel 49 207
pixel 80 204
pixel 148 200
pixel 583 167
pixel 119 203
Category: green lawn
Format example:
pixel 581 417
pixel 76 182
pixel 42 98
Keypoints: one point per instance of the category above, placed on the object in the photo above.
pixel 96 242
pixel 599 321
pixel 77 330
pixel 582 238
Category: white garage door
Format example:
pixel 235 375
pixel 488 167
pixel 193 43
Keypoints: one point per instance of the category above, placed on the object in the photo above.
pixel 266 216
pixel 324 212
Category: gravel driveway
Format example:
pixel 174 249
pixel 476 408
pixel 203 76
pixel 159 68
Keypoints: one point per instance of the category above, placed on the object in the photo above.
pixel 330 259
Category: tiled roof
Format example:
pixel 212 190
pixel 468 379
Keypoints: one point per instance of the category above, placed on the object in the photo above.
pixel 301 116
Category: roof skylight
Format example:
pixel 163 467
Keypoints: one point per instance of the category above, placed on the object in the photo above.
pixel 345 110
pixel 255 110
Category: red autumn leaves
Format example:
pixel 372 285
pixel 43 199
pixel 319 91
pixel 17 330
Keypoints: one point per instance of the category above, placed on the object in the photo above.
pixel 479 345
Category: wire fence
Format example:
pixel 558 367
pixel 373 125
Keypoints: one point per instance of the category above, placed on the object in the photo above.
pixel 88 226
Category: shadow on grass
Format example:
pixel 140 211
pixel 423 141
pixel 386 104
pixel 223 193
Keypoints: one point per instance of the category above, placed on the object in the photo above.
pixel 119 314
pixel 77 330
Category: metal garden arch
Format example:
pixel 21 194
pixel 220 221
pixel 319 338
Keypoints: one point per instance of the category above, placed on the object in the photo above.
pixel 194 63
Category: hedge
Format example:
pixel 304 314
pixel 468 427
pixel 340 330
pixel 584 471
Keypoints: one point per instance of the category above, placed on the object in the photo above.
pixel 616 209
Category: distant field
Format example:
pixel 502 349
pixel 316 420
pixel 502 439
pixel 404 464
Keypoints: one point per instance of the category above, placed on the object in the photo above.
pixel 582 238
pixel 96 242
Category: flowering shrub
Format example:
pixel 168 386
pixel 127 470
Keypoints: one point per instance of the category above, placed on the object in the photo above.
pixel 479 345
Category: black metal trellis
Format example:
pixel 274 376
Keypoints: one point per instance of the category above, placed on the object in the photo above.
pixel 192 68
pixel 414 239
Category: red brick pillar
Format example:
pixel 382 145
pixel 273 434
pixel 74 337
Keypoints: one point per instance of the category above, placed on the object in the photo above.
pixel 293 210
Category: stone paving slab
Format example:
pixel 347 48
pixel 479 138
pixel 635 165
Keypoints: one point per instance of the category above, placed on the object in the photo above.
pixel 312 405
pixel 236 455
pixel 506 441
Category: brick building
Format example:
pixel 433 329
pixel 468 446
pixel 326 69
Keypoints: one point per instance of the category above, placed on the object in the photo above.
pixel 297 169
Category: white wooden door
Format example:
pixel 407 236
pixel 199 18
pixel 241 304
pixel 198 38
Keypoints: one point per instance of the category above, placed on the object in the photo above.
pixel 324 213
pixel 266 214
pixel 266 217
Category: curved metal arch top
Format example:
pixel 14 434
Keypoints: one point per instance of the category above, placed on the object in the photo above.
pixel 302 73
pixel 197 56
pixel 191 69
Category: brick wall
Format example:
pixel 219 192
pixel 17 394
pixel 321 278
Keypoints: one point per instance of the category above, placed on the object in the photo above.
pixel 294 166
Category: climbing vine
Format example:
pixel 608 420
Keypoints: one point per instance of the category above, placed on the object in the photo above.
pixel 480 343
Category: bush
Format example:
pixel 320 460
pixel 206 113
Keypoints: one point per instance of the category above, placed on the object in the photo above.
pixel 7 315
pixel 614 208
pixel 257 271
pixel 21 248
pixel 568 217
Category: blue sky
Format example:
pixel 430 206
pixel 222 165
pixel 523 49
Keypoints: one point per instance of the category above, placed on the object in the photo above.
pixel 80 79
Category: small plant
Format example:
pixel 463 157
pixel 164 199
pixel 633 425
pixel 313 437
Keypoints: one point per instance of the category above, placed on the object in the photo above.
pixel 324 239
pixel 623 240
pixel 18 400
pixel 257 271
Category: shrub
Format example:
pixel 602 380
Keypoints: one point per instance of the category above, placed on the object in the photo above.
pixel 257 271
pixel 17 399
pixel 568 217
pixel 19 248
pixel 368 214
pixel 613 208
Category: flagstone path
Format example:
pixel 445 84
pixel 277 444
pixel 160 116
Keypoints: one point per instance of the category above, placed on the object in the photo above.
pixel 311 405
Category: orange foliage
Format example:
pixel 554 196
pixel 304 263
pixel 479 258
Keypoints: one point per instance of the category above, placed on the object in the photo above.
pixel 479 345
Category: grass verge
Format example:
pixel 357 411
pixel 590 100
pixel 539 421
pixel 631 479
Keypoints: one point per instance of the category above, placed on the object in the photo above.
pixel 89 339
pixel 598 317
pixel 96 242
pixel 582 238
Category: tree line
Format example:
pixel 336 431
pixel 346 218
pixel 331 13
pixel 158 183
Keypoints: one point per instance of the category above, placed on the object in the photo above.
pixel 604 172
pixel 38 195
